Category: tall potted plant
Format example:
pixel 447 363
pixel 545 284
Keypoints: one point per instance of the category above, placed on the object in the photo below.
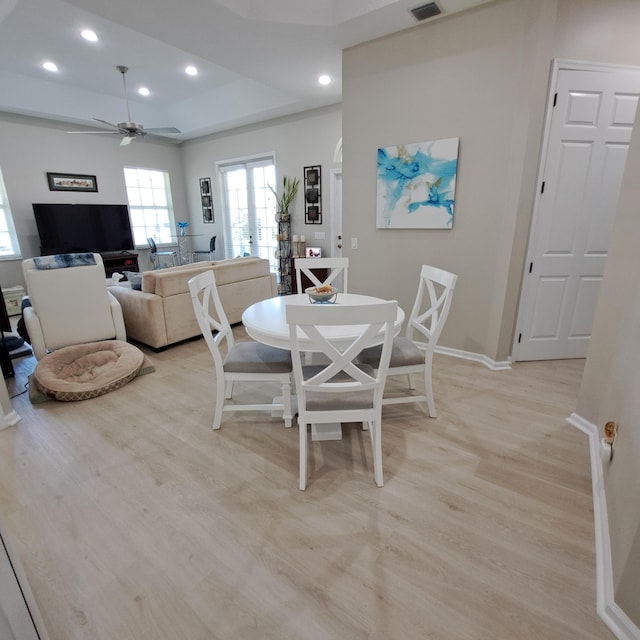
pixel 284 200
pixel 283 218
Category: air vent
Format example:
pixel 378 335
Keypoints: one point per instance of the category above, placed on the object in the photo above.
pixel 425 11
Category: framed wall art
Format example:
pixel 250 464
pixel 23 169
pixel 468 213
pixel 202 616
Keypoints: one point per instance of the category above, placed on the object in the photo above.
pixel 416 185
pixel 312 195
pixel 71 182
pixel 207 200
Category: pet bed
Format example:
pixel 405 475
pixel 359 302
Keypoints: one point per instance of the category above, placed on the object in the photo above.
pixel 84 371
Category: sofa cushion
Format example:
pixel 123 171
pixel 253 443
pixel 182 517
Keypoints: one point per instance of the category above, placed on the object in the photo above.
pixel 238 269
pixel 172 281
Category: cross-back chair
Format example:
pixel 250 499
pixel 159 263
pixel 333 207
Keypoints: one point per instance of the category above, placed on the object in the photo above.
pixel 342 390
pixel 246 361
pixel 336 267
pixel 413 352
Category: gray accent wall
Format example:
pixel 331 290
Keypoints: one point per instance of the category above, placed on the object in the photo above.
pixel 481 76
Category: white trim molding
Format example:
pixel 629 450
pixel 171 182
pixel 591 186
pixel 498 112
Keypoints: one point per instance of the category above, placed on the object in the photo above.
pixel 8 417
pixel 494 365
pixel 612 615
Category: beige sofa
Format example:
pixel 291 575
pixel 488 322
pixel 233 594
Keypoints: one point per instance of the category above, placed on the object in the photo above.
pixel 162 312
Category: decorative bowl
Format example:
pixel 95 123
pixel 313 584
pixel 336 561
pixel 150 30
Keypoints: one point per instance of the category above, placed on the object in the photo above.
pixel 322 297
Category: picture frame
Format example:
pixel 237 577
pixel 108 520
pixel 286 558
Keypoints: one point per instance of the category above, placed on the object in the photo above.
pixel 313 195
pixel 207 200
pixel 205 186
pixel 311 176
pixel 71 182
pixel 312 215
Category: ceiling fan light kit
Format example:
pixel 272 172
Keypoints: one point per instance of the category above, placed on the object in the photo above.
pixel 129 130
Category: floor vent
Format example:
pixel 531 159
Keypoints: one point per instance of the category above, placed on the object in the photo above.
pixel 425 11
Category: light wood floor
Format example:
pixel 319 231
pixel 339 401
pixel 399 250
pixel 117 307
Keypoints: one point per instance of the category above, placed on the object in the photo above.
pixel 135 521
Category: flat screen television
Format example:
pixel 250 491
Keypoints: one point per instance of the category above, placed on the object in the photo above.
pixel 78 228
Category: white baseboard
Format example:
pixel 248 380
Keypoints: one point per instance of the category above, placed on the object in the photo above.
pixel 495 365
pixel 9 419
pixel 610 613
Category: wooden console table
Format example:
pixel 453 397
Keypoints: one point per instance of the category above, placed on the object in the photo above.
pixel 119 262
pixel 321 273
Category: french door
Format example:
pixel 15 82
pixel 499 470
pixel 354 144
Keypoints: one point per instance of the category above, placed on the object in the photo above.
pixel 250 209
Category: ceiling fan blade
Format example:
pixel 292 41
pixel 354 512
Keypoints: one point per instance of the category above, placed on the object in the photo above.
pixel 163 130
pixel 128 129
pixel 115 126
pixel 110 133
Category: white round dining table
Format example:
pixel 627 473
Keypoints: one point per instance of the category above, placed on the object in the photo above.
pixel 266 321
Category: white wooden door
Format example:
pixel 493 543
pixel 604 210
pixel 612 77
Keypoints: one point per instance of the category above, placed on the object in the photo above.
pixel 591 114
pixel 336 221
pixel 336 213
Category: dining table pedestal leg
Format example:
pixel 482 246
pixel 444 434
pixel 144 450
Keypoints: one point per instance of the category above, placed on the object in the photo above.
pixel 319 432
pixel 326 431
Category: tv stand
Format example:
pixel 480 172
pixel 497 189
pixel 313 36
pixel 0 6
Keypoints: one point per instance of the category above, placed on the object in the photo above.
pixel 123 261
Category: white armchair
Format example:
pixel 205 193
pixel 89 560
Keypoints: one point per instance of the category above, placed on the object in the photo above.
pixel 70 306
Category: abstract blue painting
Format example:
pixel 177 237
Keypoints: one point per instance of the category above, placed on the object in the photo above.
pixel 417 184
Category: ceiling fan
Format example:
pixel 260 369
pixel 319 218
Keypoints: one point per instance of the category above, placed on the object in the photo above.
pixel 129 130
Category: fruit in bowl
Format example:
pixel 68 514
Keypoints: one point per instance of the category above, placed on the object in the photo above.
pixel 325 293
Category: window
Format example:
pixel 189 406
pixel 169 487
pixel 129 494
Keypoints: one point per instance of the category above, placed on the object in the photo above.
pixel 250 209
pixel 150 206
pixel 9 247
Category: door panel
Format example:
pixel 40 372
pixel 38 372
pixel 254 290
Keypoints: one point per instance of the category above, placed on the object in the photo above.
pixel 586 146
pixel 586 300
pixel 551 292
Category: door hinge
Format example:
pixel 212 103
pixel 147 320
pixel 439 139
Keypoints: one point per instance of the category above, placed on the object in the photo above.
pixel 542 187
pixel 519 338
pixel 555 99
pixel 530 267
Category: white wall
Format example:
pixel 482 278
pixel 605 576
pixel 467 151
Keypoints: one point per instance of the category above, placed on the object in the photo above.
pixel 30 147
pixel 297 141
pixel 610 384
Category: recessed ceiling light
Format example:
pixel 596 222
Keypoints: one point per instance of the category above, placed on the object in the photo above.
pixel 324 79
pixel 89 35
pixel 191 71
pixel 50 66
pixel 143 91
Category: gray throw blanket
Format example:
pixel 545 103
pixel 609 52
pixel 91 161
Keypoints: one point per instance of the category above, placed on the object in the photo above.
pixel 64 260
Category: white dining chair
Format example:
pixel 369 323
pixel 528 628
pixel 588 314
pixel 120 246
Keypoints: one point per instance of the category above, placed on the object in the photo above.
pixel 341 390
pixel 245 360
pixel 336 268
pixel 413 352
